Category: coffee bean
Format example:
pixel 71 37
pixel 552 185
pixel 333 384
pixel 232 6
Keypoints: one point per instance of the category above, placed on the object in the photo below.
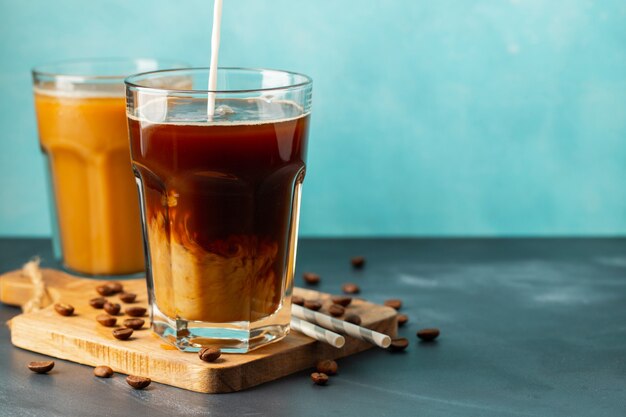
pixel 342 300
pixel 352 318
pixel 128 297
pixel 350 288
pixel 398 345
pixel 319 378
pixel 336 310
pixel 428 335
pixel 135 324
pixel 115 287
pixel 136 311
pixel 98 302
pixel 327 366
pixel 106 320
pixel 112 308
pixel 104 290
pixel 394 303
pixel 41 367
pixel 295 299
pixel 103 371
pixel 402 319
pixel 358 262
pixel 209 354
pixel 64 309
pixel 312 305
pixel 122 334
pixel 311 278
pixel 138 382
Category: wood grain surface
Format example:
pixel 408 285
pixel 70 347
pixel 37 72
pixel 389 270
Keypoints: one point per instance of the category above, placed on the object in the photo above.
pixel 79 338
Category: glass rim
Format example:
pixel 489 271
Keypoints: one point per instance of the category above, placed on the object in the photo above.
pixel 44 70
pixel 130 81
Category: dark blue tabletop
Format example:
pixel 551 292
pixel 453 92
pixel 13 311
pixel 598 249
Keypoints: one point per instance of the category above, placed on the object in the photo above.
pixel 530 327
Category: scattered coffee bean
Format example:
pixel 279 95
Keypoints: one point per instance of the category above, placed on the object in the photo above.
pixel 311 278
pixel 135 324
pixel 398 345
pixel 394 303
pixel 122 334
pixel 350 288
pixel 112 308
pixel 138 382
pixel 402 319
pixel 358 262
pixel 64 309
pixel 98 302
pixel 428 335
pixel 342 300
pixel 128 297
pixel 352 318
pixel 104 290
pixel 319 378
pixel 327 366
pixel 336 310
pixel 41 367
pixel 295 299
pixel 209 354
pixel 115 287
pixel 136 311
pixel 106 320
pixel 312 305
pixel 103 371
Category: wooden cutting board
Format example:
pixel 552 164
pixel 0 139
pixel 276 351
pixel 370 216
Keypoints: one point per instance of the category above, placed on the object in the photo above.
pixel 79 338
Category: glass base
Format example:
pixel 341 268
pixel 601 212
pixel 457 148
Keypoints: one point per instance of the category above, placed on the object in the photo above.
pixel 233 337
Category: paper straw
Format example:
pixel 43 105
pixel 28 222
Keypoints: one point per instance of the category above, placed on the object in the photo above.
pixel 341 326
pixel 317 332
pixel 215 49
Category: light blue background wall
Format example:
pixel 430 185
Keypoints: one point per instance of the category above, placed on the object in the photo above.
pixel 466 117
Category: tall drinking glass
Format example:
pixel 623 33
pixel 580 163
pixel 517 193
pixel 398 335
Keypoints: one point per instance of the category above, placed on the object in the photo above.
pixel 220 199
pixel 81 116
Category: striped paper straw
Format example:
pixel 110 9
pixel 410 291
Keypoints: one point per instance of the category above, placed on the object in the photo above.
pixel 317 332
pixel 341 326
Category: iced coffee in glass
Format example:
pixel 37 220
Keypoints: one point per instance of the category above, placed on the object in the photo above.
pixel 220 197
pixel 81 116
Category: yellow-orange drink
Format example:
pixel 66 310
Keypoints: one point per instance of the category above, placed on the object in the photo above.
pixel 81 116
pixel 85 139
